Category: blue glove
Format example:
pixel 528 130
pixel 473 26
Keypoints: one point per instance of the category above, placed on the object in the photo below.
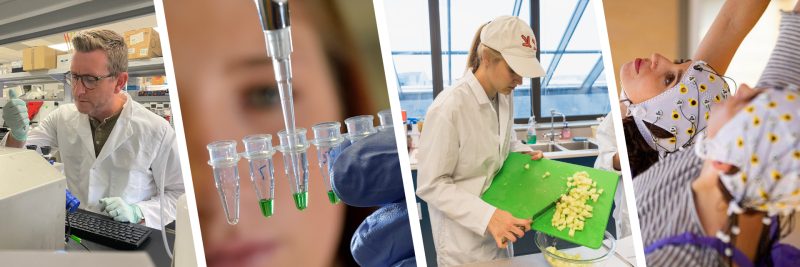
pixel 121 210
pixel 368 174
pixel 15 115
pixel 72 202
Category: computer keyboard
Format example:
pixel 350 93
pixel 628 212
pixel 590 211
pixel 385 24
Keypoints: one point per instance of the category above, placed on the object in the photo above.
pixel 106 231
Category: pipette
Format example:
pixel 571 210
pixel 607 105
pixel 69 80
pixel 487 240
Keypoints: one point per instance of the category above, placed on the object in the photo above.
pixel 275 22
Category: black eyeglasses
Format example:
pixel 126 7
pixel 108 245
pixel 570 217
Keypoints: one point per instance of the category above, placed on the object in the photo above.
pixel 88 81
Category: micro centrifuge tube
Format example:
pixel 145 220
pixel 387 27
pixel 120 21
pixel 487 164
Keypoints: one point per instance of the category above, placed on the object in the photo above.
pixel 359 127
pixel 224 161
pixel 259 151
pixel 297 172
pixel 385 118
pixel 327 137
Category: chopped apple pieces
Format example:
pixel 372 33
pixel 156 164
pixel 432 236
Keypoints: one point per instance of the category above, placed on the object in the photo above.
pixel 573 208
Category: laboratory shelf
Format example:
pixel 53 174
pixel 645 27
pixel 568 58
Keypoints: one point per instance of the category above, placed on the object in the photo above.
pixel 136 68
pixel 150 98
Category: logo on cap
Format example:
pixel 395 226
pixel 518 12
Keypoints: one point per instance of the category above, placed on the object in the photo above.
pixel 526 41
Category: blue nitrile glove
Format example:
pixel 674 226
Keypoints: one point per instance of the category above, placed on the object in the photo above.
pixel 15 115
pixel 367 174
pixel 120 210
pixel 72 202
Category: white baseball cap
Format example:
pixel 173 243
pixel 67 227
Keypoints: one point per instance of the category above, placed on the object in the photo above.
pixel 514 39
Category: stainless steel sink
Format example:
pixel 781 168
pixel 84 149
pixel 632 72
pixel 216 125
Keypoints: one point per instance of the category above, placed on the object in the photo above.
pixel 547 147
pixel 582 145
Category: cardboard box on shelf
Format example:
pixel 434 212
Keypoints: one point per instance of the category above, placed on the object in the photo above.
pixel 38 58
pixel 143 43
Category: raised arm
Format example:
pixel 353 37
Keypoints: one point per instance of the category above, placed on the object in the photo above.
pixel 735 19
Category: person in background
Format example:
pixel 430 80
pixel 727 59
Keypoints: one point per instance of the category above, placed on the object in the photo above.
pixel 608 159
pixel 116 153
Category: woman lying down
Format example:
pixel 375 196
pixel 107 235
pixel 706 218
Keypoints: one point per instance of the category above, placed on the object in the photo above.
pixel 729 200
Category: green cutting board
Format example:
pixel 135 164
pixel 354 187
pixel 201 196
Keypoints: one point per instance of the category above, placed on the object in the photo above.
pixel 524 193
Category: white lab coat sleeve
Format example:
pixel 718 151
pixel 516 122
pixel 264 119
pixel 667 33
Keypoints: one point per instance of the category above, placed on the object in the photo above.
pixel 607 144
pixel 167 168
pixel 516 144
pixel 440 153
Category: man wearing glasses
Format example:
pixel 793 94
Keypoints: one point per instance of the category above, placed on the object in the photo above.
pixel 116 153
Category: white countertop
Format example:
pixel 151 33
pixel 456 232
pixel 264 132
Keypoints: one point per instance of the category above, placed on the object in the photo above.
pixel 412 155
pixel 624 256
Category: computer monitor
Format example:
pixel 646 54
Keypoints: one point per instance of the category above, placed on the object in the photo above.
pixel 32 202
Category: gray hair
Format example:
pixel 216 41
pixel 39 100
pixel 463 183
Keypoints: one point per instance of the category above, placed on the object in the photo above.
pixel 110 42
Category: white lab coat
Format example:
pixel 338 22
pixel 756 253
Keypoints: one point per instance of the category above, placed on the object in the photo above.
pixel 461 149
pixel 607 144
pixel 140 152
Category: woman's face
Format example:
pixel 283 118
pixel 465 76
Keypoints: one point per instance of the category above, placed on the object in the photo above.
pixel 227 91
pixel 504 79
pixel 645 78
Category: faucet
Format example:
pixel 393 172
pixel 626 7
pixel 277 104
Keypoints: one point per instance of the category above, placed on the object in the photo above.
pixel 552 134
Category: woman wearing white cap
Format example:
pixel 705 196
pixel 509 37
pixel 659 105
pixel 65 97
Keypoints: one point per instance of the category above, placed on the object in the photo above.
pixel 730 199
pixel 468 135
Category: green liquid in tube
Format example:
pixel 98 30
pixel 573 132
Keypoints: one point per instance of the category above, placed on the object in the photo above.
pixel 531 139
pixel 332 197
pixel 301 200
pixel 267 207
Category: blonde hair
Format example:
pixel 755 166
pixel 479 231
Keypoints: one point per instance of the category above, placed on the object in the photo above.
pixel 110 42
pixel 478 50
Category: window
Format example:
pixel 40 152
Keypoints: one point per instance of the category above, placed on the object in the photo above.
pixel 569 52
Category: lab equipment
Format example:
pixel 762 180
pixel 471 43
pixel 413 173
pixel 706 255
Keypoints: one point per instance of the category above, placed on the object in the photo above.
pixel 15 116
pixel 72 202
pixel 531 131
pixel 293 147
pixel 224 160
pixel 29 183
pixel 327 137
pixel 359 127
pixel 275 23
pixel 184 240
pixel 258 152
pixel 120 210
pixel 107 231
pixel 367 174
pixel 385 118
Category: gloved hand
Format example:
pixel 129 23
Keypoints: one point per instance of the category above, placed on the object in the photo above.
pixel 15 115
pixel 120 210
pixel 72 202
pixel 368 174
